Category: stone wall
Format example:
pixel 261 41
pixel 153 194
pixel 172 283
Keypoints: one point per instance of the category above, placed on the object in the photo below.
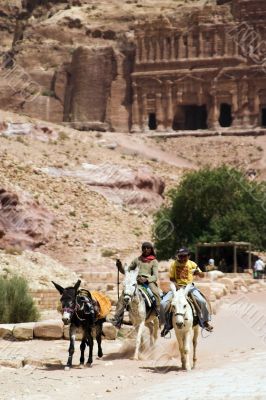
pixel 46 299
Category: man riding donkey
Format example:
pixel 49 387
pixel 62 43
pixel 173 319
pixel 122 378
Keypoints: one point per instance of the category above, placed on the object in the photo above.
pixel 181 273
pixel 147 265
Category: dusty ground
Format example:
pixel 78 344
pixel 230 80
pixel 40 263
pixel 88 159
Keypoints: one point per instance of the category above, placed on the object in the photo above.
pixel 231 364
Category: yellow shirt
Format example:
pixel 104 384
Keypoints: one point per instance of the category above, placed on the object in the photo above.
pixel 182 274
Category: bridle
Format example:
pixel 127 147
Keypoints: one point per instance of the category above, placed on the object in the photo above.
pixel 130 296
pixel 74 310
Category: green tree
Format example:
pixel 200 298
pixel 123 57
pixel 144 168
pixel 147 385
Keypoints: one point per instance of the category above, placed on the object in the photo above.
pixel 218 204
pixel 16 304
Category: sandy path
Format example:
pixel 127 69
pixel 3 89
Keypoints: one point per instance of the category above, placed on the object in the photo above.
pixel 148 149
pixel 231 365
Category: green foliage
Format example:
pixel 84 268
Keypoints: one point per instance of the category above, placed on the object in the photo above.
pixel 16 304
pixel 218 204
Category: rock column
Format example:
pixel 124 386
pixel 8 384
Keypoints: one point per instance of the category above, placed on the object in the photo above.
pixel 145 117
pixel 169 110
pixel 135 111
pixel 159 112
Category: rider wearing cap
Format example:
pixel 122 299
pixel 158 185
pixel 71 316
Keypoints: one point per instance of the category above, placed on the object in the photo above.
pixel 182 271
pixel 147 276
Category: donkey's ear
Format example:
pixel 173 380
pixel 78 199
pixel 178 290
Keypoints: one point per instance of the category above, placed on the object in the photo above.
pixel 173 287
pixel 77 285
pixel 58 287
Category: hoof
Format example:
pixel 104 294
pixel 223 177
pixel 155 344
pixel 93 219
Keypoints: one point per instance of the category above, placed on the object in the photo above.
pixel 67 368
pixel 82 365
pixel 89 365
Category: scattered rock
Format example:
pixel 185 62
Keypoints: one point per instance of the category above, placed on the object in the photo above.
pixel 48 329
pixel 6 330
pixel 110 332
pixel 24 331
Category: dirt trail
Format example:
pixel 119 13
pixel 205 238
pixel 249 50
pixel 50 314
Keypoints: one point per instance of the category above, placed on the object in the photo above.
pixel 231 364
pixel 147 148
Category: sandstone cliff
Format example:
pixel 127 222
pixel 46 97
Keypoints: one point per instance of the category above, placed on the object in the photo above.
pixel 71 60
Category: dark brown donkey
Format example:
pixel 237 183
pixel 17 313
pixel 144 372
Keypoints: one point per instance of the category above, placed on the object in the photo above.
pixel 80 312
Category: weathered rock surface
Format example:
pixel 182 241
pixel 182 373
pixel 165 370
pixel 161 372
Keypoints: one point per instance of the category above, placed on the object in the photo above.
pixel 38 269
pixel 23 331
pixel 12 363
pixel 23 222
pixel 110 332
pixel 48 329
pixel 119 184
pixel 6 330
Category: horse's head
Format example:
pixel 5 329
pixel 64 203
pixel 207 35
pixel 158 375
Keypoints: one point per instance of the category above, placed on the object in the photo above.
pixel 68 300
pixel 179 305
pixel 130 284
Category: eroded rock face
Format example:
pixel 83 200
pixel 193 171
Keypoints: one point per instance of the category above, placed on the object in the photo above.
pixel 23 222
pixel 92 73
pixel 120 185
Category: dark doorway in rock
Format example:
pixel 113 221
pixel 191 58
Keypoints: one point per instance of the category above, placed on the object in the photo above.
pixel 152 121
pixel 263 117
pixel 225 119
pixel 190 118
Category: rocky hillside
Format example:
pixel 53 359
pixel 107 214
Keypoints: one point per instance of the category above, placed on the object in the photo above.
pixel 96 214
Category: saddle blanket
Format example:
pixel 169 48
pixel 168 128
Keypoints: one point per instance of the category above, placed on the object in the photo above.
pixel 104 303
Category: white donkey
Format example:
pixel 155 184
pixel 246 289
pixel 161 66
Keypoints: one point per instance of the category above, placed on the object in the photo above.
pixel 183 324
pixel 135 303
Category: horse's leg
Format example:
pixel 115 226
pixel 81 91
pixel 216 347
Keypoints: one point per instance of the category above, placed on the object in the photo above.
pixel 155 329
pixel 138 340
pixel 99 329
pixel 181 349
pixel 195 339
pixel 150 327
pixel 90 344
pixel 187 339
pixel 71 349
pixel 82 349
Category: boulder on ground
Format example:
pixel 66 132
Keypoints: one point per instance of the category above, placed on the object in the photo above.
pixel 229 283
pixel 6 330
pixel 213 275
pixel 110 332
pixel 24 331
pixel 51 329
pixel 12 363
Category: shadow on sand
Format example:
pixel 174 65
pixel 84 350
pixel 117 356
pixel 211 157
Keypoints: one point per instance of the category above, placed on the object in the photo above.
pixel 164 369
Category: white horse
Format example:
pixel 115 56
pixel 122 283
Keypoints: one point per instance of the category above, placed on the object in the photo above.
pixel 183 324
pixel 133 299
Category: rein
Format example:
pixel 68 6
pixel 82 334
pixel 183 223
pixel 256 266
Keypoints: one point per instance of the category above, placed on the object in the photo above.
pixel 74 310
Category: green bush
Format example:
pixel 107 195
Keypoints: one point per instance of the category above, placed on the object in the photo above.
pixel 218 204
pixel 16 304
